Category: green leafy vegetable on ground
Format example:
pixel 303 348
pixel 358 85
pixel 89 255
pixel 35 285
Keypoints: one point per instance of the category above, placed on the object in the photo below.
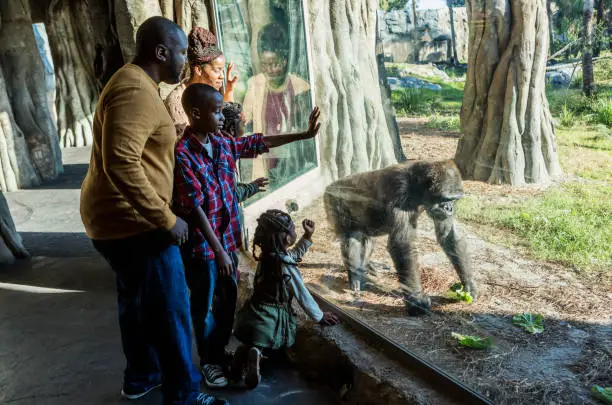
pixel 603 394
pixel 473 342
pixel 457 293
pixel 532 323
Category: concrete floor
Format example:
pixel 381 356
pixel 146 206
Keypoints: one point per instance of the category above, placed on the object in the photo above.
pixel 59 338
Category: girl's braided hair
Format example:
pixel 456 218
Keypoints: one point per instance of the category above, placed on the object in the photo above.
pixel 231 112
pixel 272 226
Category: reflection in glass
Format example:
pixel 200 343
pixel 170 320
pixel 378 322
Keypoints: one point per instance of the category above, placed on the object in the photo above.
pixel 266 41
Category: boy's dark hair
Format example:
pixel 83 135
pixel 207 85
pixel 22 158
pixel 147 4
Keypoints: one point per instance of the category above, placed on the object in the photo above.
pixel 196 94
pixel 273 38
pixel 231 112
pixel 272 226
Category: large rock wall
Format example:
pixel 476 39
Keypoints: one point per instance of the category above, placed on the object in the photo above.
pixel 426 41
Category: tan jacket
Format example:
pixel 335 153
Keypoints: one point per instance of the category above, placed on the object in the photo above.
pixel 128 187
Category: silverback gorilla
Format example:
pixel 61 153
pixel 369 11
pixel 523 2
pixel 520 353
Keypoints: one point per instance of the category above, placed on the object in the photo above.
pixel 389 201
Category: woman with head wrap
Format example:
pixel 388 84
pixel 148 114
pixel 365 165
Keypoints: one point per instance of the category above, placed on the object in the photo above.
pixel 206 66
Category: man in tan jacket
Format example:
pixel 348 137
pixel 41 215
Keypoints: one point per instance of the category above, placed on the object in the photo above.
pixel 125 207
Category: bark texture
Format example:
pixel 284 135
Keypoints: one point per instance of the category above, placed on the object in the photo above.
pixel 72 48
pixel 508 133
pixel 354 133
pixel 588 80
pixel 29 137
pixel 453 33
pixel 11 244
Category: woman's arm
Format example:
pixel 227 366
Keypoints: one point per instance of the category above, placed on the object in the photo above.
pixel 228 94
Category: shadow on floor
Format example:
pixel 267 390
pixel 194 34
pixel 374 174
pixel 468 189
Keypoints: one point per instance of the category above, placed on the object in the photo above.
pixel 71 179
pixel 62 346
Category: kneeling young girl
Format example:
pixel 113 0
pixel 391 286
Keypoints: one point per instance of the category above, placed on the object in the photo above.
pixel 267 321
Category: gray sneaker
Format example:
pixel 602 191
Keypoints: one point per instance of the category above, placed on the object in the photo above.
pixel 207 399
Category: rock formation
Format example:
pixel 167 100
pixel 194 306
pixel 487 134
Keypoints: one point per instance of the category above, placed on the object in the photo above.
pixel 428 40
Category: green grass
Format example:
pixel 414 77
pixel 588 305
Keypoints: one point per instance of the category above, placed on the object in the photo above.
pixel 571 224
pixel 419 102
pixel 444 122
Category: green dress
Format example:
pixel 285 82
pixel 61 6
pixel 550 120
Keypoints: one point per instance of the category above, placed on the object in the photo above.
pixel 267 319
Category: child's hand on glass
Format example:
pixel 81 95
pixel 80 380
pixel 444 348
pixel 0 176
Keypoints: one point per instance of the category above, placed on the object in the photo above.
pixel 313 123
pixel 329 319
pixel 261 184
pixel 309 228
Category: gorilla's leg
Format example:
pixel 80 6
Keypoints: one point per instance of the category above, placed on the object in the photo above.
pixel 403 250
pixel 454 244
pixel 356 249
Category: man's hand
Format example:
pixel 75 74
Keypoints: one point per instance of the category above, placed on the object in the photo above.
pixel 309 228
pixel 179 232
pixel 231 81
pixel 225 266
pixel 329 319
pixel 313 123
pixel 261 184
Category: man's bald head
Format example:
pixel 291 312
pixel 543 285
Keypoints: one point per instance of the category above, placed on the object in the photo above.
pixel 161 42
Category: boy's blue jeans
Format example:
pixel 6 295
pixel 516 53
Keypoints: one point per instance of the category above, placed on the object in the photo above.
pixel 153 315
pixel 213 306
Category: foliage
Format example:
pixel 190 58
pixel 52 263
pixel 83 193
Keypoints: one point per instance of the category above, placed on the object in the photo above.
pixel 571 224
pixel 566 117
pixel 530 322
pixel 603 394
pixel 444 123
pixel 602 109
pixel 473 342
pixel 412 101
pixel 393 4
pixel 457 293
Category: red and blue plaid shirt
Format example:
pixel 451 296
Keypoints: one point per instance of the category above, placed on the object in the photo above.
pixel 202 180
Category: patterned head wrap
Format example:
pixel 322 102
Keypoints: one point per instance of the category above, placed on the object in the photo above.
pixel 202 47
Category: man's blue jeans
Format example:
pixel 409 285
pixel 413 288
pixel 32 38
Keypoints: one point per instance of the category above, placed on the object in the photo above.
pixel 213 306
pixel 153 315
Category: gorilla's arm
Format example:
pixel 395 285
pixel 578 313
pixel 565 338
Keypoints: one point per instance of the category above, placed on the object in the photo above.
pixel 454 244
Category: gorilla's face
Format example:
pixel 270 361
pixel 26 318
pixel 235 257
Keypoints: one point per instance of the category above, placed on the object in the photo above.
pixel 444 183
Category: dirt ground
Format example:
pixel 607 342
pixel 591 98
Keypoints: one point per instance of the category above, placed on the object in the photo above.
pixel 556 367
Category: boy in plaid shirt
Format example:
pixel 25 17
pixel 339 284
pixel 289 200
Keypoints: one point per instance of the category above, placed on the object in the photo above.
pixel 204 196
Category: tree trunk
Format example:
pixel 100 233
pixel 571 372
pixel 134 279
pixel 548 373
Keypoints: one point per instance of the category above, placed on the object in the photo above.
pixel 414 13
pixel 72 40
pixel 354 135
pixel 453 34
pixel 11 244
pixel 37 155
pixel 508 134
pixel 551 31
pixel 386 94
pixel 129 14
pixel 108 58
pixel 588 81
pixel 600 21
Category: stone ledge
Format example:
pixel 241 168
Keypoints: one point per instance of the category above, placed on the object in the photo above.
pixel 336 356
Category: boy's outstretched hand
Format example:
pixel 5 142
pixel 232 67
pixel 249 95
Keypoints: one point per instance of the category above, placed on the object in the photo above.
pixel 309 228
pixel 313 123
pixel 261 184
pixel 329 319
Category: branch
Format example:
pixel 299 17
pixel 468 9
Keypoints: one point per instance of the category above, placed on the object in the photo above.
pixel 560 51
